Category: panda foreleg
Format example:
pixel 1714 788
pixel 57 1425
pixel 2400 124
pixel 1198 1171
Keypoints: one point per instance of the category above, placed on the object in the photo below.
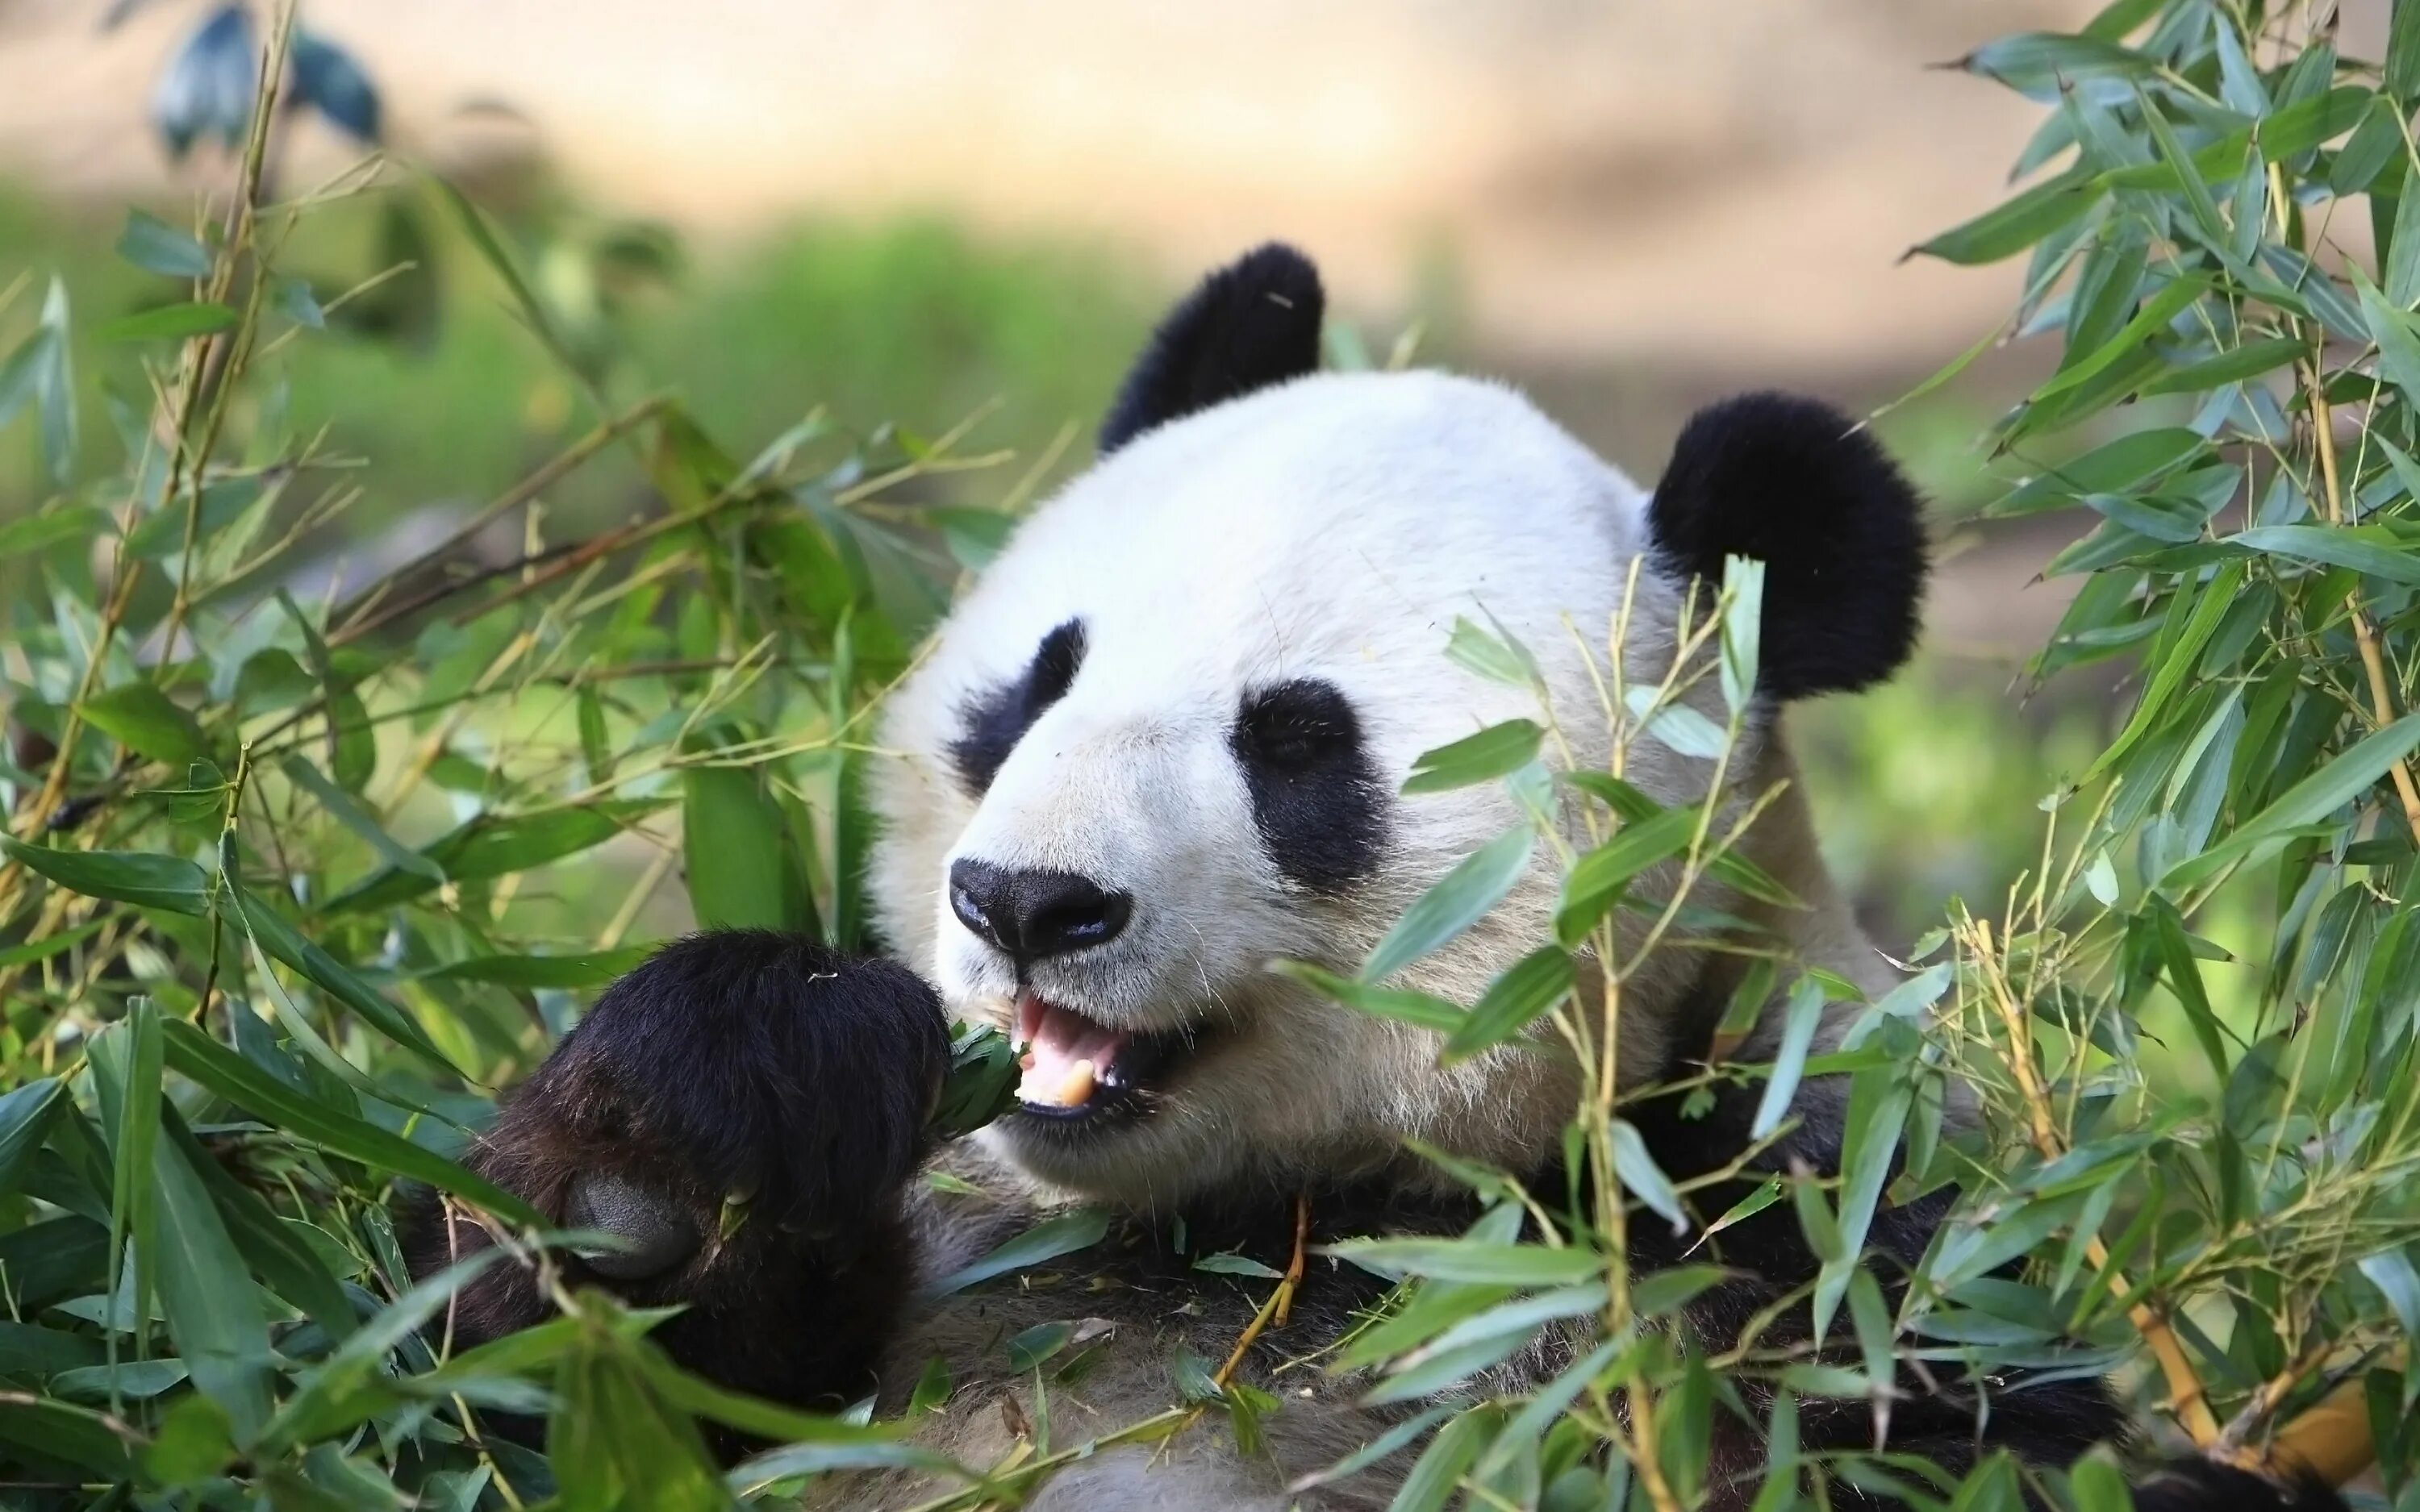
pixel 742 1112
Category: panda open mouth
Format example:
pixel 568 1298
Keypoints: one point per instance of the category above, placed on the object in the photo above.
pixel 1076 1066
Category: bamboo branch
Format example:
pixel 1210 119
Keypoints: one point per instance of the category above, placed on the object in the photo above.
pixel 189 455
pixel 1281 1301
pixel 2381 703
pixel 351 621
pixel 2266 1401
pixel 2186 1398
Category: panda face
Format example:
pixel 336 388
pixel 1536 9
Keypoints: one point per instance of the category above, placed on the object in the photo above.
pixel 1161 742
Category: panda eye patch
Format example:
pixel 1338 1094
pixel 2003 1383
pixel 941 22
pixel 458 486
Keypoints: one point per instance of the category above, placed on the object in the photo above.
pixel 997 720
pixel 1297 724
pixel 1316 798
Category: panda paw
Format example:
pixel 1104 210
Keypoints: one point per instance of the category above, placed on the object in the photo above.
pixel 739 1114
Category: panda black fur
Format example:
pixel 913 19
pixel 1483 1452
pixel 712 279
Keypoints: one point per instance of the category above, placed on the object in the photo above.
pixel 1158 745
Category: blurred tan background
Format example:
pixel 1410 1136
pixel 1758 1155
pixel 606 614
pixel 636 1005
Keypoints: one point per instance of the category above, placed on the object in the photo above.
pixel 1730 183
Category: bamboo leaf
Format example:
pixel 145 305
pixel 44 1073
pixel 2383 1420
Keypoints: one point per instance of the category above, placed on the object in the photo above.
pixel 2039 63
pixel 2185 979
pixel 1046 1241
pixel 2250 359
pixel 1732 867
pixel 1418 1009
pixel 2189 175
pixel 1798 1023
pixel 2402 69
pixel 736 852
pixel 169 322
pixel 1494 751
pixel 155 246
pixel 1742 630
pixel 2391 1272
pixel 2154 317
pixel 1677 727
pixel 2170 675
pixel 2369 550
pixel 1439 1470
pixel 1597 879
pixel 481 233
pixel 1466 1259
pixel 348 811
pixel 1645 1180
pixel 1459 900
pixel 58 1431
pixel 590 968
pixel 126 1072
pixel 2110 467
pixel 2015 224
pixel 494 845
pixel 119 876
pixel 31 533
pixel 273 1247
pixel 2402 271
pixel 21 376
pixel 55 392
pixel 147 722
pixel 2308 801
pixel 330 1399
pixel 24 1123
pixel 2397 337
pixel 163 1209
pixel 281 941
pixel 1522 994
pixel 230 1075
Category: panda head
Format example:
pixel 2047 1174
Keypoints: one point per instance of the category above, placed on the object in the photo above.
pixel 1161 742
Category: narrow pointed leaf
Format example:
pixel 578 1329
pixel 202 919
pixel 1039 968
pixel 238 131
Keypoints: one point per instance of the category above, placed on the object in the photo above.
pixel 1459 899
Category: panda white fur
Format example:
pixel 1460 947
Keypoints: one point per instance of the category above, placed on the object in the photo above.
pixel 1158 745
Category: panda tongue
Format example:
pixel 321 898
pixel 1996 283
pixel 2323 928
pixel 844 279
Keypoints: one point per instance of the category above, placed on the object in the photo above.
pixel 1055 1041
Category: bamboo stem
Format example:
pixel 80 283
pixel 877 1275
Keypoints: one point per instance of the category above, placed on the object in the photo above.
pixel 2271 1392
pixel 1279 1302
pixel 188 458
pixel 2186 1398
pixel 2381 703
pixel 351 621
pixel 1295 1264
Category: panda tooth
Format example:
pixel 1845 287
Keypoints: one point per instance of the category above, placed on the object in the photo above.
pixel 1078 1087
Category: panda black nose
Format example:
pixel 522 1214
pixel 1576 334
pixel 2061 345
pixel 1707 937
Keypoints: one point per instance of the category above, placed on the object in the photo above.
pixel 1034 914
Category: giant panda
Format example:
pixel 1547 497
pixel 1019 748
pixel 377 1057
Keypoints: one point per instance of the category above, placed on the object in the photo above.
pixel 1158 745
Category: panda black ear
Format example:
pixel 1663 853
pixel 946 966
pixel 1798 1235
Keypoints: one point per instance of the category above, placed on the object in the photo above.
pixel 1796 484
pixel 1252 323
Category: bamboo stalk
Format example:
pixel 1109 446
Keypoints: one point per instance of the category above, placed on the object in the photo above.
pixel 2381 703
pixel 2186 1398
pixel 2333 1439
pixel 351 621
pixel 2272 1392
pixel 188 458
pixel 1281 1301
